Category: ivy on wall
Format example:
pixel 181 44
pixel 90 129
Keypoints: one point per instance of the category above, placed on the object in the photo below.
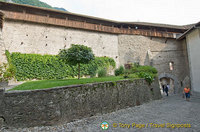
pixel 35 66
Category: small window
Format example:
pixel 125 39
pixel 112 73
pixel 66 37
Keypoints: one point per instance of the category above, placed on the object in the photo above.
pixel 1 20
pixel 171 66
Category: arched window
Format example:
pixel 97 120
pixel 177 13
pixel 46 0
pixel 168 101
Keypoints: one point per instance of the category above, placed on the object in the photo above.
pixel 171 66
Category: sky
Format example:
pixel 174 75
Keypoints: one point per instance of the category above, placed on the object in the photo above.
pixel 176 12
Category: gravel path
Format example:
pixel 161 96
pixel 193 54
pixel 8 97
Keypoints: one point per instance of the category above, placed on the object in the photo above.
pixel 173 109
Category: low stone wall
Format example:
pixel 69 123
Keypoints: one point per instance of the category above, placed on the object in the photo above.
pixel 55 105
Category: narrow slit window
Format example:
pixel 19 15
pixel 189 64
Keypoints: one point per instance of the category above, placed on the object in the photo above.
pixel 171 66
pixel 1 20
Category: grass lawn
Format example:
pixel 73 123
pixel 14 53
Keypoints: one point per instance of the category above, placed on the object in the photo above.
pixel 32 85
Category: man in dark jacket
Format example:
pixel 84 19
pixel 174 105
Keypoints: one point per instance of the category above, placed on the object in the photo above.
pixel 167 89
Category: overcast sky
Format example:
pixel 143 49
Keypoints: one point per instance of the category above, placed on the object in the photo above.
pixel 177 12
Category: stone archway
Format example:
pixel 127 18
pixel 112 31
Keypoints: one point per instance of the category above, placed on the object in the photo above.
pixel 174 78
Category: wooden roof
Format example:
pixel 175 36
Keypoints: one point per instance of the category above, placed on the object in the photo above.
pixel 68 19
pixel 188 31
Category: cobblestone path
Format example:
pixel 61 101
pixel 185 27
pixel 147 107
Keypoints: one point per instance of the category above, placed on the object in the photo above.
pixel 173 109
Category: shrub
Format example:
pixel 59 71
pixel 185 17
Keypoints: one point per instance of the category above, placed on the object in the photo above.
pixel 6 72
pixel 147 69
pixel 35 66
pixel 146 72
pixel 2 71
pixel 149 77
pixel 127 72
pixel 92 70
pixel 134 70
pixel 136 65
pixel 133 76
pixel 102 72
pixel 119 71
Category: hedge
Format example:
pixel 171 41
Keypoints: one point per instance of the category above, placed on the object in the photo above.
pixel 35 66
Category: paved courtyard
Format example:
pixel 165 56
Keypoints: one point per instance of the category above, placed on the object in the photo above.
pixel 167 114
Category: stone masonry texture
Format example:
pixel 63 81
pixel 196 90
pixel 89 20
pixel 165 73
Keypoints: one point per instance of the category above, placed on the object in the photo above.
pixel 172 109
pixel 56 105
pixel 193 42
pixel 26 37
pixel 157 52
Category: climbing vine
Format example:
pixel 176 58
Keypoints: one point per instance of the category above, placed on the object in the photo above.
pixel 35 66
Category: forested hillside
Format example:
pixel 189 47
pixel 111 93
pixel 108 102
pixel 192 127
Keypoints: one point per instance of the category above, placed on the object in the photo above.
pixel 37 3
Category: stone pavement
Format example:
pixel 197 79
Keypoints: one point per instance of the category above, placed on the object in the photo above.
pixel 173 109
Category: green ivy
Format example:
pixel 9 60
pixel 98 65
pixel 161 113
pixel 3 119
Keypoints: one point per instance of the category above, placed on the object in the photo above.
pixel 149 77
pixel 35 66
pixel 137 71
pixel 149 69
pixel 119 71
pixel 102 72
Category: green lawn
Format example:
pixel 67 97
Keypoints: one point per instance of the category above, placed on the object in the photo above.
pixel 32 85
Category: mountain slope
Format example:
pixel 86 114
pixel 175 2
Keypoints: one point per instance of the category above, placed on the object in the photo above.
pixel 37 3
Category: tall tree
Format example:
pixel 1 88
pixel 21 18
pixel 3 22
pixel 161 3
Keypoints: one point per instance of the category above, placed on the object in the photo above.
pixel 76 55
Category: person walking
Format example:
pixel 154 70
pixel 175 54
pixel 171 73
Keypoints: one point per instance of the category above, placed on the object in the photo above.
pixel 163 87
pixel 167 89
pixel 186 91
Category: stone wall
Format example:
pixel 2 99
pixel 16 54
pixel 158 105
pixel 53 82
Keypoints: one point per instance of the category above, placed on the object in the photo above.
pixel 157 52
pixel 35 38
pixel 55 105
pixel 193 44
pixel 26 37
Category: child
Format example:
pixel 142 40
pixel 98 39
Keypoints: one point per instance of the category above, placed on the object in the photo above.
pixel 187 93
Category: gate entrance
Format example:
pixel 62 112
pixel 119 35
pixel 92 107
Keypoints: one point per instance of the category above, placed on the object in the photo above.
pixel 164 81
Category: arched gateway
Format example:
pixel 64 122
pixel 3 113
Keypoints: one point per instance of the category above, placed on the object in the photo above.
pixel 170 79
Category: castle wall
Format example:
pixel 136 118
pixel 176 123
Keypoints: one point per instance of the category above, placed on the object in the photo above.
pixel 65 104
pixel 158 52
pixel 193 44
pixel 27 37
pixel 2 51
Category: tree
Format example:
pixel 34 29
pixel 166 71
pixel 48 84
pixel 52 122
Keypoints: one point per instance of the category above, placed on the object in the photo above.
pixel 77 54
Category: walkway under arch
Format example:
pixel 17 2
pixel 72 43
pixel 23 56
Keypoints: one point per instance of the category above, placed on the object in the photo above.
pixel 167 75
